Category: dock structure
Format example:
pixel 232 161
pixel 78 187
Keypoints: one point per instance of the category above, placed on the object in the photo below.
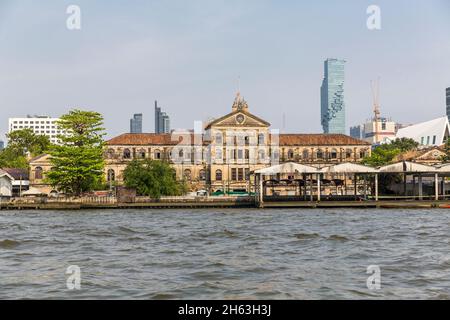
pixel 365 187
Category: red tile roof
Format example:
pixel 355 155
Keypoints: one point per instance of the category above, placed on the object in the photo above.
pixel 319 140
pixel 141 139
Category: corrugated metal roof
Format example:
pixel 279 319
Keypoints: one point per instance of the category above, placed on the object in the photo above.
pixel 289 167
pixel 348 168
pixel 406 166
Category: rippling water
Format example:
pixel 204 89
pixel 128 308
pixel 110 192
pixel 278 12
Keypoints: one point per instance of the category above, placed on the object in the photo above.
pixel 230 254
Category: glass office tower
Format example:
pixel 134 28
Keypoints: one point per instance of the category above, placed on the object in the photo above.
pixel 162 120
pixel 136 123
pixel 332 97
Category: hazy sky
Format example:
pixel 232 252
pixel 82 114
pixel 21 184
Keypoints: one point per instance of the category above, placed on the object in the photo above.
pixel 188 55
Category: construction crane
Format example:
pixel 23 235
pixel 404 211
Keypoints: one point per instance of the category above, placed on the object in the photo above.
pixel 375 86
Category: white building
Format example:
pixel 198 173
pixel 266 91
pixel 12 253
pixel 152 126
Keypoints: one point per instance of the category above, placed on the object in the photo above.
pixel 43 125
pixel 379 131
pixel 430 133
pixel 5 184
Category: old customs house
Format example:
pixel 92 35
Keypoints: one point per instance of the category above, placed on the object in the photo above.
pixel 220 156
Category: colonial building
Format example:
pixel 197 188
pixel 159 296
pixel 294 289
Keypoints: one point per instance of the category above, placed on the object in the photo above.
pixel 221 156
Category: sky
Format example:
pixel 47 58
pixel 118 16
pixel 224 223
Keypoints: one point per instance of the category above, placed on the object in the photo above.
pixel 189 55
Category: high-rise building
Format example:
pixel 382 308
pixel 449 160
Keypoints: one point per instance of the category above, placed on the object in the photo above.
pixel 42 125
pixel 332 97
pixel 447 91
pixel 356 132
pixel 136 123
pixel 162 120
pixel 2 145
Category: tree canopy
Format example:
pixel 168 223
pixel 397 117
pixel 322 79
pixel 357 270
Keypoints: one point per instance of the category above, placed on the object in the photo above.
pixel 152 178
pixel 385 153
pixel 22 143
pixel 77 164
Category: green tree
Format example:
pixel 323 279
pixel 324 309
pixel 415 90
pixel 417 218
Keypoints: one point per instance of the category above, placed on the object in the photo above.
pixel 77 164
pixel 26 141
pixel 22 143
pixel 385 153
pixel 152 178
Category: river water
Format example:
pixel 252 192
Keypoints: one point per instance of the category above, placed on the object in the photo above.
pixel 225 254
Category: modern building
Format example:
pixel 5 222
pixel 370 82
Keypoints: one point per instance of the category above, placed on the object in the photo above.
pixel 430 133
pixel 2 145
pixel 136 123
pixel 221 157
pixel 332 97
pixel 42 125
pixel 162 120
pixel 447 91
pixel 381 131
pixel 356 132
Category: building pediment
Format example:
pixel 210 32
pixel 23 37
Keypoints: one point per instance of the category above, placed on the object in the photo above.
pixel 238 118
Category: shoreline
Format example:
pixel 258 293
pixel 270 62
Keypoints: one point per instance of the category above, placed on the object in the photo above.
pixel 396 204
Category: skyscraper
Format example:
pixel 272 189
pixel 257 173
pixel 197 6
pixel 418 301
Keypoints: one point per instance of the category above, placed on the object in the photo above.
pixel 448 102
pixel 136 123
pixel 2 145
pixel 162 120
pixel 332 97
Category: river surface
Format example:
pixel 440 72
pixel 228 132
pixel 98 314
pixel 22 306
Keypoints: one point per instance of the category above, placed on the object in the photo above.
pixel 225 254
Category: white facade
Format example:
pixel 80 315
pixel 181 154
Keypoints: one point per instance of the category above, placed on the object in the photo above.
pixel 379 131
pixel 42 125
pixel 430 133
pixel 5 184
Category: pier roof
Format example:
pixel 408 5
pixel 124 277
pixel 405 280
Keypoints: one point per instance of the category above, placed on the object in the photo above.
pixel 289 167
pixel 406 166
pixel 348 168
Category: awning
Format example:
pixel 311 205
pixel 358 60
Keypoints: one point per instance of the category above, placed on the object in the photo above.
pixel 289 167
pixel 348 168
pixel 406 166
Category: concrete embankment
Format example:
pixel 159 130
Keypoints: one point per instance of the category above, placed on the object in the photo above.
pixel 228 203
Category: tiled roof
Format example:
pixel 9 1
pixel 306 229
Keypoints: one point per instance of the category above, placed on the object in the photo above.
pixel 144 139
pixel 319 140
pixel 17 173
pixel 141 139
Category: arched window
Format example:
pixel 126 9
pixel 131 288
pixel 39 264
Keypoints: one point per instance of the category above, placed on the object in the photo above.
pixel 348 153
pixel 187 174
pixel 111 175
pixel 333 154
pixel 127 154
pixel 319 154
pixel 261 138
pixel 362 153
pixel 181 153
pixel 219 139
pixel 157 154
pixel 110 153
pixel 38 173
pixel 291 154
pixel 141 154
pixel 202 175
pixel 219 175
pixel 305 154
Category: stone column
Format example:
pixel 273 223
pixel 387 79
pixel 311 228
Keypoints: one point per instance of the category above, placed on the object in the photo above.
pixel 376 186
